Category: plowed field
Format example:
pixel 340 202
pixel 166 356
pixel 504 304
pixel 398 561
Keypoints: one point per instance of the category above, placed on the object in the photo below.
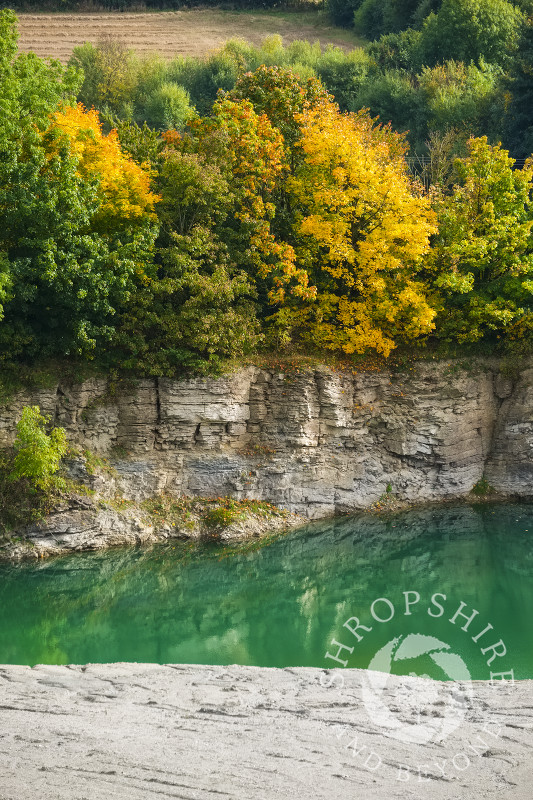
pixel 189 32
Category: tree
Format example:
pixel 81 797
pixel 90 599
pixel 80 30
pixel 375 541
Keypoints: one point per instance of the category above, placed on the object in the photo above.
pixel 196 306
pixel 467 98
pixel 169 107
pixel 109 74
pixel 481 262
pixel 125 196
pixel 78 228
pixel 250 154
pixel 471 31
pixel 362 230
pixel 279 94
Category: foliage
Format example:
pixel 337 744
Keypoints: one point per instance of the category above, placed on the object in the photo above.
pixel 520 113
pixel 342 11
pixel 280 94
pixel 142 143
pixel 392 96
pixel 38 454
pixel 213 204
pixel 471 31
pixel 396 50
pixel 250 153
pixel 108 74
pixel 343 73
pixel 385 77
pixel 196 305
pixel 373 18
pixel 77 229
pixel 363 230
pixel 124 188
pixel 465 98
pixel 210 513
pixel 194 313
pixel 169 107
pixel 481 261
pixel 482 488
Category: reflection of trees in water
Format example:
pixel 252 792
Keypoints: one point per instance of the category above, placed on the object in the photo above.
pixel 277 605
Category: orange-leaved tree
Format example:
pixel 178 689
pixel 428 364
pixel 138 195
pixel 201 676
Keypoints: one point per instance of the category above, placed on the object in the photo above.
pixel 362 228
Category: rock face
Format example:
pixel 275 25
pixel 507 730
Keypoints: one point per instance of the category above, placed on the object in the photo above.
pixel 314 441
pixel 139 731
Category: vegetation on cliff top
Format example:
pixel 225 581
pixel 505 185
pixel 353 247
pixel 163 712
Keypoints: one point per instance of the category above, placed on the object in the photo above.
pixel 270 218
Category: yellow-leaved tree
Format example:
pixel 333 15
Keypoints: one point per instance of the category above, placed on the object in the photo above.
pixel 123 186
pixel 361 227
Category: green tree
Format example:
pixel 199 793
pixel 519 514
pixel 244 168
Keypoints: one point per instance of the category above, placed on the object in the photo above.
pixel 109 75
pixel 169 107
pixel 342 11
pixel 471 31
pixel 396 50
pixel 467 98
pixel 343 73
pixel 481 262
pixel 196 307
pixel 78 226
pixel 392 96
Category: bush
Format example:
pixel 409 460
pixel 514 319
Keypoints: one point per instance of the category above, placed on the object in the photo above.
pixel 396 50
pixel 169 107
pixel 38 454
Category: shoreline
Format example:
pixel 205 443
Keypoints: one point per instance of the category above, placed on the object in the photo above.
pixel 89 524
pixel 138 731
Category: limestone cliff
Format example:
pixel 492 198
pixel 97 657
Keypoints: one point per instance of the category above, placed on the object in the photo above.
pixel 314 441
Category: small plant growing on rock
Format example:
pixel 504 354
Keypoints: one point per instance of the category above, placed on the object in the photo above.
pixel 482 488
pixel 38 454
pixel 220 517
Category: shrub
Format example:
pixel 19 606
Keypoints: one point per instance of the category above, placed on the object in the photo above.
pixel 38 454
pixel 169 107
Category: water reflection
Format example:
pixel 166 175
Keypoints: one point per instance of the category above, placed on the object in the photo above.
pixel 283 604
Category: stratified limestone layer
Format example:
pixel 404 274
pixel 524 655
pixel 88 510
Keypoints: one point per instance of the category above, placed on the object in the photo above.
pixel 138 731
pixel 315 441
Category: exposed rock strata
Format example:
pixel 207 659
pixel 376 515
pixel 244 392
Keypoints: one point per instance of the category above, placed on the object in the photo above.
pixel 315 441
pixel 138 731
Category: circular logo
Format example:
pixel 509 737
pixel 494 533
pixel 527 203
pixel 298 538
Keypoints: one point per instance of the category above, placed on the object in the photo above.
pixel 417 714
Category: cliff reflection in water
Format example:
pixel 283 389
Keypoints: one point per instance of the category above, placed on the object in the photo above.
pixel 282 605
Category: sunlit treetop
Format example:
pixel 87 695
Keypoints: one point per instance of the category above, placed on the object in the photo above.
pixel 123 184
pixel 364 228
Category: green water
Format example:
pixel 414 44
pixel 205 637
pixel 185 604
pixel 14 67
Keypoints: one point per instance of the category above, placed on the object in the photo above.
pixel 282 605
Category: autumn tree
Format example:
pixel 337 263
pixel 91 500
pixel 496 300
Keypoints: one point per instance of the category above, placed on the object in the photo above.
pixel 250 152
pixel 482 261
pixel 279 94
pixel 214 246
pixel 363 229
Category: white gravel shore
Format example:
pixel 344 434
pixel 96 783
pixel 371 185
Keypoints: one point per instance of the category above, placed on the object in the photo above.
pixel 137 731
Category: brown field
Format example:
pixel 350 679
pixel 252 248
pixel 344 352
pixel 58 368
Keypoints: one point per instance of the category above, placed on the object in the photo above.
pixel 190 32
